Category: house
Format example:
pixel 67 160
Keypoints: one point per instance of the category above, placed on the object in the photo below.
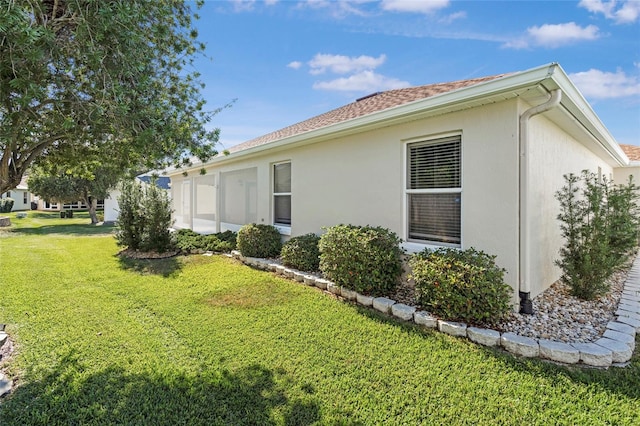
pixel 111 203
pixel 472 163
pixel 20 195
pixel 55 206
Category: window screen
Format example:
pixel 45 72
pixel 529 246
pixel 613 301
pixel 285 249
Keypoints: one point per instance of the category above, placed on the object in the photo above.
pixel 434 191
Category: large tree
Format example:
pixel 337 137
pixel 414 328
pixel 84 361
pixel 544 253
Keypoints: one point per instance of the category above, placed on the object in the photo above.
pixel 56 184
pixel 110 80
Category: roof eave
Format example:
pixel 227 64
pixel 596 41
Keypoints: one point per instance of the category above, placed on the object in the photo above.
pixel 579 108
pixel 551 76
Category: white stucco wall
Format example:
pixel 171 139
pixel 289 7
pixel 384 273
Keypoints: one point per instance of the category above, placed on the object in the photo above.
pixel 111 206
pixel 360 180
pixel 621 174
pixel 553 153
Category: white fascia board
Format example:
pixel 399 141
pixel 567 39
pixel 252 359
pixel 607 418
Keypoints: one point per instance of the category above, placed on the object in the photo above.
pixel 578 106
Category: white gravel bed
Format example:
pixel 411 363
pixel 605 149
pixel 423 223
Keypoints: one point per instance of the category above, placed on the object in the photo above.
pixel 561 317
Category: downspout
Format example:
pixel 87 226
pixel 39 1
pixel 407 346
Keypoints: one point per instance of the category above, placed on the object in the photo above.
pixel 525 228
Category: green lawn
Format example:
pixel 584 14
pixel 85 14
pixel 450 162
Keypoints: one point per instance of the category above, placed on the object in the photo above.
pixel 206 340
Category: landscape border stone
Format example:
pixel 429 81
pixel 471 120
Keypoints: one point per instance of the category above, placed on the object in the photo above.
pixel 520 345
pixel 620 352
pixel 383 304
pixel 402 311
pixel 483 336
pixel 452 328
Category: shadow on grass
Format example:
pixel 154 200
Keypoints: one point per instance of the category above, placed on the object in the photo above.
pixel 48 223
pixel 71 229
pixel 67 395
pixel 166 267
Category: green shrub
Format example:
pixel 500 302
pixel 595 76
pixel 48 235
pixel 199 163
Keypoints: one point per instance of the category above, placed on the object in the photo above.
pixel 599 223
pixel 189 241
pixel 302 253
pixel 361 258
pixel 144 218
pixel 6 205
pixel 130 220
pixel 623 219
pixel 464 285
pixel 156 211
pixel 257 240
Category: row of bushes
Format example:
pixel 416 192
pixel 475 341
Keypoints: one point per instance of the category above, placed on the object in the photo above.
pixel 191 242
pixel 463 285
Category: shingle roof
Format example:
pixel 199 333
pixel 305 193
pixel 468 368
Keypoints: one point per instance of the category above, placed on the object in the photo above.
pixel 367 105
pixel 632 151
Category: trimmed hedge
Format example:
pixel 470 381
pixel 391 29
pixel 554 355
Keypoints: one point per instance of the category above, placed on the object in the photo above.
pixel 362 258
pixel 464 285
pixel 189 241
pixel 258 240
pixel 302 253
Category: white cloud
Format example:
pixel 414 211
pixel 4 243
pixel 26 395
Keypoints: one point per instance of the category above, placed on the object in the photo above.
pixel 365 81
pixel 554 35
pixel 337 9
pixel 249 5
pixel 624 12
pixel 414 6
pixel 453 17
pixel 295 65
pixel 596 84
pixel 341 64
pixel 243 5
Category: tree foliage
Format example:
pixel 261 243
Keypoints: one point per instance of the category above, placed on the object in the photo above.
pixel 84 79
pixel 57 185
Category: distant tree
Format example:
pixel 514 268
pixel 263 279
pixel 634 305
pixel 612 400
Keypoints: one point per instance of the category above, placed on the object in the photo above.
pixel 57 185
pixel 106 80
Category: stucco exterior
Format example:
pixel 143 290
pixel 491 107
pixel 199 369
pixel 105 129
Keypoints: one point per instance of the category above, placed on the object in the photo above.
pixel 355 172
pixel 553 154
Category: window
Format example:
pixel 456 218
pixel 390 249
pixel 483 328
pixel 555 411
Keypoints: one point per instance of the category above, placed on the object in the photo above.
pixel 282 194
pixel 25 199
pixel 434 190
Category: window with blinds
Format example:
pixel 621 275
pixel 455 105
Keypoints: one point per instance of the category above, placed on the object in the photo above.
pixel 282 194
pixel 434 189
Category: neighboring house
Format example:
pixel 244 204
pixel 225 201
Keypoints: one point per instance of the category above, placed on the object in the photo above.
pixel 472 163
pixel 111 203
pixel 54 206
pixel 21 196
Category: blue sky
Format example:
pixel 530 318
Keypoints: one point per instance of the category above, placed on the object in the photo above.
pixel 286 61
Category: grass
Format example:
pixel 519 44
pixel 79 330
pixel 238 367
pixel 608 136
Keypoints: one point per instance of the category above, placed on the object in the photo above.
pixel 206 340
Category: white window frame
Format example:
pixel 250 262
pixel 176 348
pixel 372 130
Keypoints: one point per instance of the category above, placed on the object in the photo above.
pixel 283 228
pixel 414 245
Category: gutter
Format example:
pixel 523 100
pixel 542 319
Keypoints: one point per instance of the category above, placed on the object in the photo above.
pixel 525 227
